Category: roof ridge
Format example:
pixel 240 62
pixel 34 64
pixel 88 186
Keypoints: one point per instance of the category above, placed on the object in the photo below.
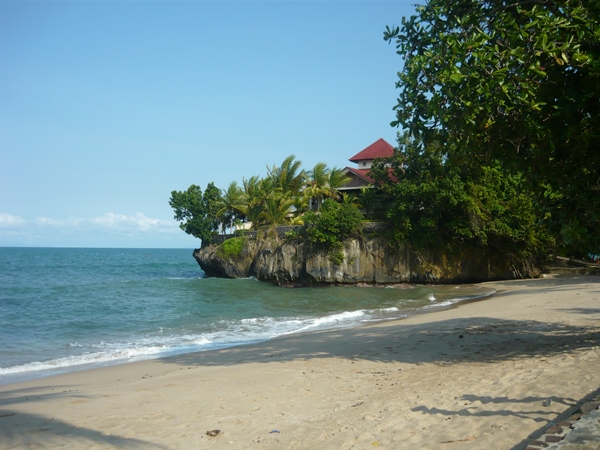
pixel 378 149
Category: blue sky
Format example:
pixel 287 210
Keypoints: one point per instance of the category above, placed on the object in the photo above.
pixel 108 106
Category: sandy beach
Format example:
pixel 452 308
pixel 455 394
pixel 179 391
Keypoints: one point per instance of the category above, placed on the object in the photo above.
pixel 484 375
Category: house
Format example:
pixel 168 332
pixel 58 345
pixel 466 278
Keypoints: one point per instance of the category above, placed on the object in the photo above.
pixel 364 159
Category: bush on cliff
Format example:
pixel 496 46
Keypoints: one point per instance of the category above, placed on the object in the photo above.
pixel 439 203
pixel 231 248
pixel 330 226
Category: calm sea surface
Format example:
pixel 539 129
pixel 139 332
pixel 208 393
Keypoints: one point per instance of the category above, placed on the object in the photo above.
pixel 62 309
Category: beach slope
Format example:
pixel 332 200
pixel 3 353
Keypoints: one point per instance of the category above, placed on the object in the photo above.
pixel 484 375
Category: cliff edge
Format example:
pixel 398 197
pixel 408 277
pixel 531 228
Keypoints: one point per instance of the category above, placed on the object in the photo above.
pixel 366 260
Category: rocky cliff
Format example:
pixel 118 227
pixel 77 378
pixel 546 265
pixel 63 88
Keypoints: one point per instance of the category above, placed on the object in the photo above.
pixel 369 260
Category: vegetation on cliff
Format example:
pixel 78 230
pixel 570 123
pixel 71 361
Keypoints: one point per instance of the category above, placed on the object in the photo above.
pixel 328 228
pixel 231 248
pixel 505 90
pixel 438 204
pixel 499 107
pixel 197 212
pixel 284 196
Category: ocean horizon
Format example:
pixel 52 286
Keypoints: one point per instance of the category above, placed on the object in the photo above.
pixel 67 308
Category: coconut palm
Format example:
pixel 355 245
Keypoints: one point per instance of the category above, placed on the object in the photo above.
pixel 276 210
pixel 337 179
pixel 316 185
pixel 368 200
pixel 349 199
pixel 288 176
pixel 255 194
pixel 284 195
pixel 231 205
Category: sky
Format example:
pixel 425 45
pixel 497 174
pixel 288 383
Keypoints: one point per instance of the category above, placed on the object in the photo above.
pixel 108 106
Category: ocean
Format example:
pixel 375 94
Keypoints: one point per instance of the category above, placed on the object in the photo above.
pixel 65 309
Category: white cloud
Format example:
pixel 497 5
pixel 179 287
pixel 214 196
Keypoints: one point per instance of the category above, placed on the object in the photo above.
pixel 58 223
pixel 138 220
pixel 111 222
pixel 9 221
pixel 108 230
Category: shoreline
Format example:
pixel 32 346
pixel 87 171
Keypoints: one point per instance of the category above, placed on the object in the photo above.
pixel 481 374
pixel 30 375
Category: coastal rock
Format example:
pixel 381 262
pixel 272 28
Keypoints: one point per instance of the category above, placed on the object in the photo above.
pixel 366 260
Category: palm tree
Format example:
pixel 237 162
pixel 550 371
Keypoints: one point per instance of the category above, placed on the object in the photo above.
pixel 349 199
pixel 277 209
pixel 316 185
pixel 367 200
pixel 254 190
pixel 288 176
pixel 337 179
pixel 231 205
pixel 283 196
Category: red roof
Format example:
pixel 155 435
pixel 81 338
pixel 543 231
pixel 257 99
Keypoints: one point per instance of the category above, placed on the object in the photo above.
pixel 378 149
pixel 361 173
pixel 364 174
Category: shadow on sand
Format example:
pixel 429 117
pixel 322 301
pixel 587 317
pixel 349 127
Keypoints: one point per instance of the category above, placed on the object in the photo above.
pixel 447 342
pixel 49 432
pixel 450 341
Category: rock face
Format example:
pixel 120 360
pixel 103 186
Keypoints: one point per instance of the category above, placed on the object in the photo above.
pixel 370 261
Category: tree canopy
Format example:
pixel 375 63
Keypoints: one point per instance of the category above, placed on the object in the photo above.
pixel 280 198
pixel 431 203
pixel 197 212
pixel 515 86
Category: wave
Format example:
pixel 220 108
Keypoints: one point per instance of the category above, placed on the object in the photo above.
pixel 102 353
pixel 227 333
pixel 217 335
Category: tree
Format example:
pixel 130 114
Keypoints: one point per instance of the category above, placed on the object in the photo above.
pixel 369 200
pixel 337 178
pixel 316 185
pixel 328 228
pixel 431 203
pixel 276 210
pixel 288 176
pixel 231 205
pixel 211 200
pixel 517 82
pixel 256 190
pixel 322 183
pixel 197 212
pixel 266 203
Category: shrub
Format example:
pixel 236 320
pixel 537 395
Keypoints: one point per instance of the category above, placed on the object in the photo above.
pixel 330 226
pixel 231 248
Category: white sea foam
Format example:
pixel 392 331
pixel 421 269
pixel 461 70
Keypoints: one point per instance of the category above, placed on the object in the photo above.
pixel 103 353
pixel 228 333
pixel 83 359
pixel 185 330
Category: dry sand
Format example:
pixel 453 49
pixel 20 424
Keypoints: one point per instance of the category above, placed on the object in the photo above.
pixel 485 375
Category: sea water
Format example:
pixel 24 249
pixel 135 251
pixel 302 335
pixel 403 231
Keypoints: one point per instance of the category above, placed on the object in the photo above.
pixel 63 309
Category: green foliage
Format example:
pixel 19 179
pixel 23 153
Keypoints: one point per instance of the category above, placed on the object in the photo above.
pixel 436 203
pixel 197 212
pixel 516 82
pixel 231 206
pixel 323 182
pixel 267 205
pixel 280 198
pixel 288 177
pixel 293 235
pixel 328 228
pixel 231 248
